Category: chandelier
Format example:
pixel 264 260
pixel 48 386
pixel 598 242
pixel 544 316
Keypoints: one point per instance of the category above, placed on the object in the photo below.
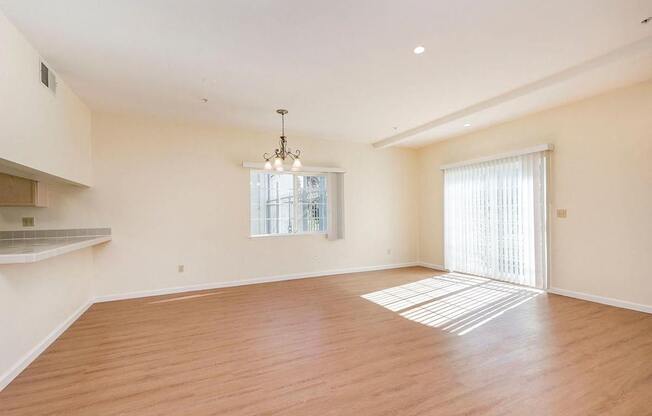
pixel 283 152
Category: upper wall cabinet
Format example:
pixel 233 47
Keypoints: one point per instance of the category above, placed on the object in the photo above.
pixel 46 128
pixel 21 192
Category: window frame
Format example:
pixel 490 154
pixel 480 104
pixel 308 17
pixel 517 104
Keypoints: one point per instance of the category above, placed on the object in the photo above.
pixel 294 190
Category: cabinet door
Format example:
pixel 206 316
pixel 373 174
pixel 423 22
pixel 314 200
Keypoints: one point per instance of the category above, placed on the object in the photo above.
pixel 16 191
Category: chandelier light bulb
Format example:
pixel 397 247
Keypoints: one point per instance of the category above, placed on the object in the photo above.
pixel 296 165
pixel 279 168
pixel 278 162
pixel 268 165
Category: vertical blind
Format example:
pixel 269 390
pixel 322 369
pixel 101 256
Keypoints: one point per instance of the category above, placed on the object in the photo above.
pixel 495 219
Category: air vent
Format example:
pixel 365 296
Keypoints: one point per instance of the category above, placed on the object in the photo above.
pixel 48 78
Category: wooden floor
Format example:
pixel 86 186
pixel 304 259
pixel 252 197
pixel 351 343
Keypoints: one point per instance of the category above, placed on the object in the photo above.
pixel 317 347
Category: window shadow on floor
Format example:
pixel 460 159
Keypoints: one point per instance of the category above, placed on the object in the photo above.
pixel 455 303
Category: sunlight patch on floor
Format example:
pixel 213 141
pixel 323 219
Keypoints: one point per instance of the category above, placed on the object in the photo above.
pixel 178 298
pixel 454 302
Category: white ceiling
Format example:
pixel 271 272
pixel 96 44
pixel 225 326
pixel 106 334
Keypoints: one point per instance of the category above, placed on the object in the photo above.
pixel 345 69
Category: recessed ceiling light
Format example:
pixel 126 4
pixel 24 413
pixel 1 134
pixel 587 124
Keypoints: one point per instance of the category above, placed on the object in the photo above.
pixel 419 50
pixel 467 124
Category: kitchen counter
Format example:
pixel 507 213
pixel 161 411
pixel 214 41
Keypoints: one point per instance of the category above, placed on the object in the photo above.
pixel 30 250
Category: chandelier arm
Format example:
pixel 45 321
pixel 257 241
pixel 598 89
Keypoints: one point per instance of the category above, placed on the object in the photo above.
pixel 284 151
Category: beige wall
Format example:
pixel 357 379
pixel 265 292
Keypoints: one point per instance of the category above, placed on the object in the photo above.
pixel 36 298
pixel 176 194
pixel 601 172
pixel 49 133
pixel 44 131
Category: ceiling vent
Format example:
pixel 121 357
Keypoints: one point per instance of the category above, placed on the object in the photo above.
pixel 48 79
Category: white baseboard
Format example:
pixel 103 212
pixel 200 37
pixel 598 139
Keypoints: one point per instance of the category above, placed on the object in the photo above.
pixel 27 359
pixel 243 282
pixel 432 266
pixel 601 299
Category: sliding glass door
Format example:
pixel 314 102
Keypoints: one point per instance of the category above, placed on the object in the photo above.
pixel 495 219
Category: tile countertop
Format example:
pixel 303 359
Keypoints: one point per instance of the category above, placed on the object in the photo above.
pixel 32 249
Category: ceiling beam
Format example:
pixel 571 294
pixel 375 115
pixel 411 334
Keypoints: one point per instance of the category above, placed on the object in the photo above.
pixel 634 48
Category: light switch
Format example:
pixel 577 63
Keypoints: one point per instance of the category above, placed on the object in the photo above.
pixel 561 213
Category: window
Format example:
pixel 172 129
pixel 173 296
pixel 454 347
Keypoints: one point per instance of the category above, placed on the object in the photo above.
pixel 288 203
pixel 495 219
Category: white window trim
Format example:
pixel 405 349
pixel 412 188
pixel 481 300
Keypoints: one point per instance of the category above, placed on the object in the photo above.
pixel 313 233
pixel 302 172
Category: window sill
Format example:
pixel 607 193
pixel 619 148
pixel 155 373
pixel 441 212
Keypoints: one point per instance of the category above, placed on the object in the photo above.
pixel 287 235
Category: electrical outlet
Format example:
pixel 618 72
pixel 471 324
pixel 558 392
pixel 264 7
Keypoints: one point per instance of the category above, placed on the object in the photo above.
pixel 180 268
pixel 561 213
pixel 28 221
